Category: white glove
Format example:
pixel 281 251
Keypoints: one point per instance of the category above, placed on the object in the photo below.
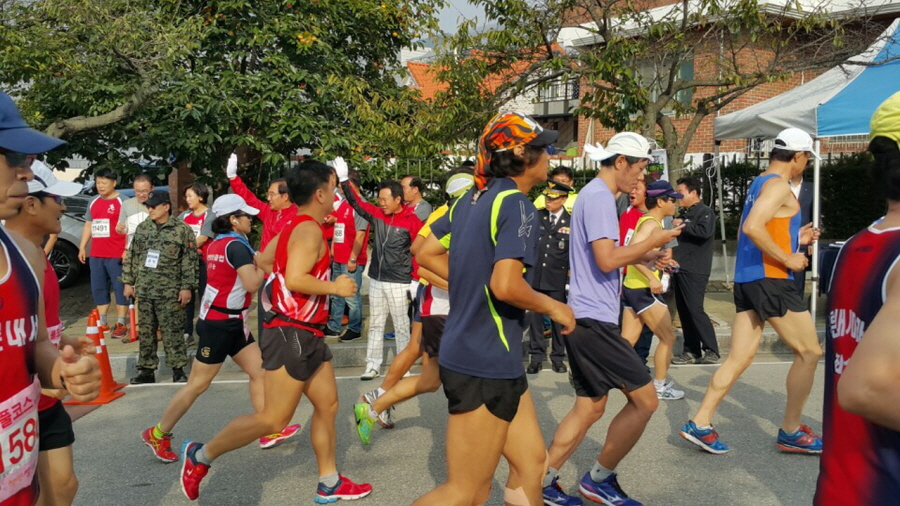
pixel 340 166
pixel 231 168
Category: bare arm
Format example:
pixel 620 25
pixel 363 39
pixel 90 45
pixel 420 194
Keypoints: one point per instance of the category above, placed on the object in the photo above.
pixel 433 278
pixel 432 255
pixel 508 285
pixel 82 245
pixel 51 241
pixel 868 385
pixel 610 257
pixel 251 277
pixel 305 246
pixel 773 195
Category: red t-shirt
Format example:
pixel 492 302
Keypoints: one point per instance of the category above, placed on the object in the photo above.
pixel 104 214
pixel 51 315
pixel 196 224
pixel 345 235
pixel 627 223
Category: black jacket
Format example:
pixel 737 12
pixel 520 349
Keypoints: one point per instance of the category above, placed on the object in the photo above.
pixel 695 244
pixel 551 273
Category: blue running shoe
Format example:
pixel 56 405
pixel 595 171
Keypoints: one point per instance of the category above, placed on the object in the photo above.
pixel 554 495
pixel 606 492
pixel 707 439
pixel 389 336
pixel 802 440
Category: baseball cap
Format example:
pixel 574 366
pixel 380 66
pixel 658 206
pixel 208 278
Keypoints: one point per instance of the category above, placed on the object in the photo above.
pixel 457 184
pixel 794 139
pixel 662 188
pixel 16 135
pixel 45 181
pixel 623 143
pixel 555 190
pixel 231 203
pixel 158 197
pixel 886 119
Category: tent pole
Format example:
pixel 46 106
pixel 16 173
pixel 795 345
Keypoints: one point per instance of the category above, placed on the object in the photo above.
pixel 720 190
pixel 815 246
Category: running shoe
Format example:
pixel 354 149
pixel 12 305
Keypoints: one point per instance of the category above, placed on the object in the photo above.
pixel 103 328
pixel 364 422
pixel 345 490
pixel 707 439
pixel 162 447
pixel 389 336
pixel 192 471
pixel 709 357
pixel 369 375
pixel 606 492
pixel 384 418
pixel 554 494
pixel 119 331
pixel 668 392
pixel 802 440
pixel 685 358
pixel 273 440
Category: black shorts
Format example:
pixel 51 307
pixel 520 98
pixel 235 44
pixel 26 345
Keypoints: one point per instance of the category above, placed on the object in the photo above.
pixel 55 428
pixel 467 393
pixel 640 299
pixel 602 360
pixel 770 298
pixel 432 331
pixel 297 350
pixel 220 339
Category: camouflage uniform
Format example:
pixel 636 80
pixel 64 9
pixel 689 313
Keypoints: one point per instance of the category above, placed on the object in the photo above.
pixel 157 288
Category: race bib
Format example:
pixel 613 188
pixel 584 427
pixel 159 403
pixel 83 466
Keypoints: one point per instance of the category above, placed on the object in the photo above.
pixel 100 228
pixel 209 295
pixel 18 440
pixel 628 236
pixel 338 233
pixel 196 230
pixel 152 260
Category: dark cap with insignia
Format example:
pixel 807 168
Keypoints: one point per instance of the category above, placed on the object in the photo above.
pixel 556 190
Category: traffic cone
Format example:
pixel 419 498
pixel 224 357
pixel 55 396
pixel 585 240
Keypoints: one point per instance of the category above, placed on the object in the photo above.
pixel 108 385
pixel 132 324
pixel 96 314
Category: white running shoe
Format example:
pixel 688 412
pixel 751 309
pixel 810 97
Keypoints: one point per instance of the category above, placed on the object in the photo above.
pixel 369 375
pixel 668 392
pixel 385 417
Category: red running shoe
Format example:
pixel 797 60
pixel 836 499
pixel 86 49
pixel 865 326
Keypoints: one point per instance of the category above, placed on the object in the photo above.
pixel 345 490
pixel 162 447
pixel 119 331
pixel 273 440
pixel 192 471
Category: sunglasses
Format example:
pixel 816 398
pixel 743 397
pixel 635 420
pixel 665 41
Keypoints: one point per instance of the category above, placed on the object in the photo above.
pixel 43 195
pixel 15 159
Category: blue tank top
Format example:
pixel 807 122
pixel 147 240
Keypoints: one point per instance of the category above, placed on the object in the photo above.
pixel 751 263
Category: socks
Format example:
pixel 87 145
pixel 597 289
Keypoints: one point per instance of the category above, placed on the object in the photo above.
pixel 102 321
pixel 703 427
pixel 659 384
pixel 600 473
pixel 380 392
pixel 120 320
pixel 330 480
pixel 158 433
pixel 200 456
pixel 550 476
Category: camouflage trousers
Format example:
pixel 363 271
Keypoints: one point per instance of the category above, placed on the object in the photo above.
pixel 168 317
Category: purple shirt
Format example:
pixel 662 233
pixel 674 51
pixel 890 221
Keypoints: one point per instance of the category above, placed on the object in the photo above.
pixel 593 293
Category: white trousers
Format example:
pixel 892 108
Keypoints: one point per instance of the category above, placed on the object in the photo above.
pixel 386 298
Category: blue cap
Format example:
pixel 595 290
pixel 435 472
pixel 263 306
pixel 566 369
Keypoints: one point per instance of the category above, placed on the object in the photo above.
pixel 662 188
pixel 16 135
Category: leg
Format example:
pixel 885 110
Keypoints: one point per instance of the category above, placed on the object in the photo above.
pixel 643 344
pixel 405 359
pixel 537 345
pixel 355 303
pixel 396 300
pixel 798 331
pixel 99 286
pixel 321 390
pixel 557 348
pixel 524 450
pixel 631 325
pixel 57 477
pixel 250 361
pixel 337 303
pixel 378 307
pixel 656 317
pixel 571 431
pixel 171 321
pixel 627 427
pixel 746 331
pixel 199 380
pixel 407 388
pixel 147 358
pixel 696 314
pixel 114 271
pixel 682 288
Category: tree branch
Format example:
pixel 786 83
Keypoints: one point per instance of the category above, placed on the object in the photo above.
pixel 79 124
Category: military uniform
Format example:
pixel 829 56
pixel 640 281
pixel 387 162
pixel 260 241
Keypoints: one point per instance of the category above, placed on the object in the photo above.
pixel 162 261
pixel 551 274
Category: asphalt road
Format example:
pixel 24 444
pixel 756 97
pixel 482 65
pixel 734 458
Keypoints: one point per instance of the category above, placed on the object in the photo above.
pixel 115 468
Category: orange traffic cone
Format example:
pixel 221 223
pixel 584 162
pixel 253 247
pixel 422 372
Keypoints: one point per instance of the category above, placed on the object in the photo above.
pixel 108 386
pixel 132 324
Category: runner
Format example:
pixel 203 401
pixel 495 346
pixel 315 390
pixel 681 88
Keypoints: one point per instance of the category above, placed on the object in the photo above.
pixel 38 218
pixel 494 232
pixel 222 325
pixel 599 357
pixel 861 462
pixel 434 306
pixel 764 292
pixel 30 361
pixel 294 354
pixel 642 291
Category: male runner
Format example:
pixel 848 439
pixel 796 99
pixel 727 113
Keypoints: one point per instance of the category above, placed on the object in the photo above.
pixel 861 462
pixel 599 357
pixel 295 357
pixel 764 292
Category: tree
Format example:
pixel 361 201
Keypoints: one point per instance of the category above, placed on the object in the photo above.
pixel 659 70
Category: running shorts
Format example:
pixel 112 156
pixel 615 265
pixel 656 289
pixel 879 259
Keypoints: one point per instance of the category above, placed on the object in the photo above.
pixel 466 393
pixel 602 360
pixel 299 351
pixel 432 331
pixel 640 299
pixel 220 339
pixel 770 298
pixel 55 428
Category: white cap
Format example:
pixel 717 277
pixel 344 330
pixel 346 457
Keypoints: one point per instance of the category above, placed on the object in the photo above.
pixel 794 139
pixel 624 143
pixel 231 203
pixel 45 181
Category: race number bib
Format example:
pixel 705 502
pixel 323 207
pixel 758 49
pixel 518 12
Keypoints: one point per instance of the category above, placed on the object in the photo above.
pixel 18 440
pixel 339 233
pixel 209 295
pixel 152 260
pixel 628 236
pixel 100 228
pixel 196 230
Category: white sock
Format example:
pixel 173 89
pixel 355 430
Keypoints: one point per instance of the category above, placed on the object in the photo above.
pixel 380 392
pixel 600 473
pixel 659 384
pixel 550 476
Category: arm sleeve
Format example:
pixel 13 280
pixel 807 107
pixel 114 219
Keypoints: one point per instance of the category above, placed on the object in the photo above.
pixel 238 254
pixel 238 186
pixel 702 225
pixel 517 230
pixel 206 228
pixel 360 222
pixel 87 212
pixel 130 263
pixel 364 209
pixel 189 260
pixel 606 224
pixel 441 230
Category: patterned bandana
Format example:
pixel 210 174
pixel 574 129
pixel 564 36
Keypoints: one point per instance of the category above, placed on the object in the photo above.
pixel 505 131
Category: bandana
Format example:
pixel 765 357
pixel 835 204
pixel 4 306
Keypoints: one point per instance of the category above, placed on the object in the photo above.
pixel 505 131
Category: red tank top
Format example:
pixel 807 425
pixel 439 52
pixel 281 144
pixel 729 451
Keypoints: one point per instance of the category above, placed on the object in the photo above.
pixel 19 389
pixel 312 309
pixel 224 289
pixel 51 315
